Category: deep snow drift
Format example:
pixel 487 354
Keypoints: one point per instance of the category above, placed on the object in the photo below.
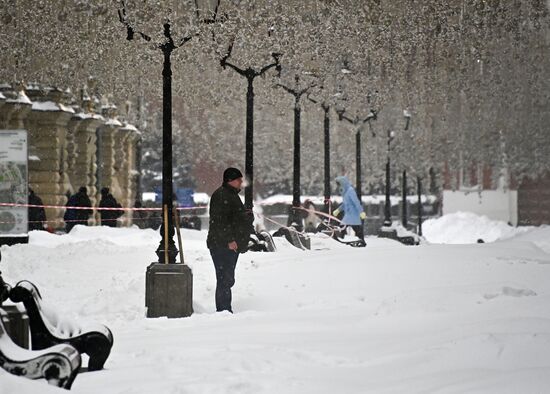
pixel 382 319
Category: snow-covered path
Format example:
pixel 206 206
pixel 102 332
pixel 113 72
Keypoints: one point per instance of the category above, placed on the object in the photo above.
pixel 385 318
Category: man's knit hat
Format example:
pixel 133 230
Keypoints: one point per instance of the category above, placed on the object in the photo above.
pixel 231 174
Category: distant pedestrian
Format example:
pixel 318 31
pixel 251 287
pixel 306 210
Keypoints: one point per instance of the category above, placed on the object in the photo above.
pixel 37 215
pixel 73 217
pixel 352 208
pixel 228 235
pixel 109 216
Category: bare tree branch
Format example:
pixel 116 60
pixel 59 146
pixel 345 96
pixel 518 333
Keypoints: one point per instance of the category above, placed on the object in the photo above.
pixel 341 116
pixel 296 93
pixel 289 90
pixel 130 31
pixel 224 63
pixel 185 39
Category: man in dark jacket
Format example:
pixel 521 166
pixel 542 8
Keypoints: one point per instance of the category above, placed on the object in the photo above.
pixel 78 216
pixel 37 215
pixel 109 216
pixel 228 235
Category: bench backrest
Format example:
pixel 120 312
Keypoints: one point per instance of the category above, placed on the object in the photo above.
pixel 57 326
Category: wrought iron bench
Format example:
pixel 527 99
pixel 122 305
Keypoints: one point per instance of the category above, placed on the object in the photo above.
pixel 261 241
pixel 47 329
pixel 58 364
pixel 294 237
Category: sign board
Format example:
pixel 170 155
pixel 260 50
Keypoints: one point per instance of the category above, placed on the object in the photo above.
pixel 13 182
pixel 183 196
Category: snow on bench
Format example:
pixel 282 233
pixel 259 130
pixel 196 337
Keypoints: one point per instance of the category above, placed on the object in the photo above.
pixel 47 328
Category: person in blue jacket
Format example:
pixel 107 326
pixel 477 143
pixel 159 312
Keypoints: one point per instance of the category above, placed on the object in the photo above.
pixel 352 208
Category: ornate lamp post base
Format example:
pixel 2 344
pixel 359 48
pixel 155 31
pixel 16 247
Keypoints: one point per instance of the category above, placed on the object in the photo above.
pixel 169 290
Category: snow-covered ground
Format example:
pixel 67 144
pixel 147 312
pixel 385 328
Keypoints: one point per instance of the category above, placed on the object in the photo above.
pixel 382 319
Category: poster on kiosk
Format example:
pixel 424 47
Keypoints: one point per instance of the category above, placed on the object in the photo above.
pixel 13 186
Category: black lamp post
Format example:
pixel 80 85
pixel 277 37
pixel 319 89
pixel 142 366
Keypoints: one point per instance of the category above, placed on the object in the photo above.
pixel 326 133
pixel 250 74
pixel 167 251
pixel 419 187
pixel 325 105
pixel 293 216
pixel 326 129
pixel 159 297
pixel 387 205
pixel 404 215
pixel 358 122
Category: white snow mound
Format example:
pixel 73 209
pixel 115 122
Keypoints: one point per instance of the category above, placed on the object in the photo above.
pixel 467 228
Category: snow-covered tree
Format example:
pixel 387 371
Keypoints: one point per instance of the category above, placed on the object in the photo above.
pixel 473 74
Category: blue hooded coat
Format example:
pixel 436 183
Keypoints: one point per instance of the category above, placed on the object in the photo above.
pixel 351 206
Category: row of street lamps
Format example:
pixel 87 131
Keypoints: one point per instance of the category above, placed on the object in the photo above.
pixel 157 299
pixel 206 12
pixel 358 122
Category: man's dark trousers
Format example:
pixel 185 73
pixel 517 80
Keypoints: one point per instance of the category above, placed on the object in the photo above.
pixel 225 261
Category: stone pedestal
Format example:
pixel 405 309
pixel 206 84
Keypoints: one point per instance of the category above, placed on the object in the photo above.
pixel 106 155
pixel 47 125
pixel 71 151
pixel 134 160
pixel 13 109
pixel 85 166
pixel 127 169
pixel 120 175
pixel 169 290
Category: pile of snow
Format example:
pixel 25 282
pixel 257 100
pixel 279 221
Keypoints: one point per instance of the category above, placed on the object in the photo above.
pixel 336 319
pixel 467 228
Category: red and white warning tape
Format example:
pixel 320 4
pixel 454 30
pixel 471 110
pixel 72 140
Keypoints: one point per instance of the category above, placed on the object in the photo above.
pixel 326 215
pixel 13 205
pixel 5 204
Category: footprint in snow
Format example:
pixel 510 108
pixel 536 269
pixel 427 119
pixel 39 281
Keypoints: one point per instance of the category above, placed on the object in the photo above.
pixel 511 292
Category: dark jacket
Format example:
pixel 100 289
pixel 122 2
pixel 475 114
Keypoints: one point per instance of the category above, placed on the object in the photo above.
pixel 109 217
pixel 229 220
pixel 78 200
pixel 37 215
